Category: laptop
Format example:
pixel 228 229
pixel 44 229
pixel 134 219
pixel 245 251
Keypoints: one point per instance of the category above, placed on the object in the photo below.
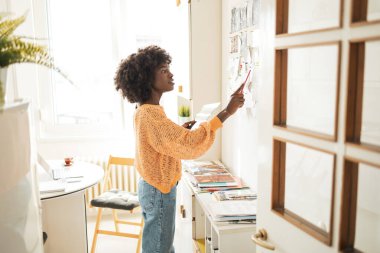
pixel 58 172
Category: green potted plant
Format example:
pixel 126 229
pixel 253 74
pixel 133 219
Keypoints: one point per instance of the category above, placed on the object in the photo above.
pixel 19 49
pixel 183 114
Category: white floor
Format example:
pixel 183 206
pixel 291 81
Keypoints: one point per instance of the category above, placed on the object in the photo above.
pixel 115 244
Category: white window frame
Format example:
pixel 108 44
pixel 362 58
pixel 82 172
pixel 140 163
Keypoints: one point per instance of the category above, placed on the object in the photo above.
pixel 48 129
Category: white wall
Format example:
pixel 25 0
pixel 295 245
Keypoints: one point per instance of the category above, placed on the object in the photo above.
pixel 239 134
pixel 205 59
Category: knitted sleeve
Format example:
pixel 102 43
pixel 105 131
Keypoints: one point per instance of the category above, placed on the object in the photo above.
pixel 168 138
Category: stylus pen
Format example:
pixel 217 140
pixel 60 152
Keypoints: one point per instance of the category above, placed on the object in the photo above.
pixel 241 91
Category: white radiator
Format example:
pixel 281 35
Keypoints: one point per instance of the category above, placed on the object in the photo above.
pixel 122 177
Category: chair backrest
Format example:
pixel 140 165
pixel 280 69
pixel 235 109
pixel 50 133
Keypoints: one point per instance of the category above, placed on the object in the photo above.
pixel 126 163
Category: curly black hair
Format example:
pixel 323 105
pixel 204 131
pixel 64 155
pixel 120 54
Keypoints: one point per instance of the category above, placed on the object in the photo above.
pixel 135 74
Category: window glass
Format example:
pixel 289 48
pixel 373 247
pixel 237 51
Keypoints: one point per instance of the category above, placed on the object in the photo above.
pixel 82 45
pixel 373 11
pixel 313 15
pixel 88 39
pixel 312 87
pixel 370 131
pixel 308 184
pixel 367 211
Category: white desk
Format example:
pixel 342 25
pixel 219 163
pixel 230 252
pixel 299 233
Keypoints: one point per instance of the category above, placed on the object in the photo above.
pixel 64 212
pixel 224 237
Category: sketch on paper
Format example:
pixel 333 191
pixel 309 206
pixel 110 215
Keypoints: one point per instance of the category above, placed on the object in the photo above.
pixel 235 41
pixel 255 57
pixel 235 20
pixel 244 50
pixel 254 10
pixel 244 46
pixel 245 15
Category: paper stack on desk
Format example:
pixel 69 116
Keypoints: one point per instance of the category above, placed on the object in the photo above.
pixel 227 211
pixel 209 176
pixel 212 175
pixel 221 179
pixel 242 194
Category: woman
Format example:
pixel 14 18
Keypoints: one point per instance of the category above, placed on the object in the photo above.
pixel 142 78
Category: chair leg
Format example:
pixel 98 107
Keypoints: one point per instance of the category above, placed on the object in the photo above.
pixel 115 218
pixel 140 235
pixel 97 224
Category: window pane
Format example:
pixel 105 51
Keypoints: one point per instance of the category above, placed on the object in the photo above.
pixel 313 14
pixel 311 88
pixel 367 231
pixel 89 42
pixel 169 31
pixel 370 131
pixel 81 42
pixel 373 12
pixel 308 184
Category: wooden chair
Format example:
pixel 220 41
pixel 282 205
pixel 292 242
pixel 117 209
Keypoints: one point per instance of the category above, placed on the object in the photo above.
pixel 117 200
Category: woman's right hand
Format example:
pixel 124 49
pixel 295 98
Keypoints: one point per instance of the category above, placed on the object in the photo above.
pixel 236 101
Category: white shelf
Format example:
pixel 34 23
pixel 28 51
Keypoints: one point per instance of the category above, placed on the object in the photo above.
pixel 224 238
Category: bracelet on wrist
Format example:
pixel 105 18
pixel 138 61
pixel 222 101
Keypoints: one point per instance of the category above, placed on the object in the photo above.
pixel 228 114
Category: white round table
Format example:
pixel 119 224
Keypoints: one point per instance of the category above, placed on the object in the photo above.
pixel 64 212
pixel 92 174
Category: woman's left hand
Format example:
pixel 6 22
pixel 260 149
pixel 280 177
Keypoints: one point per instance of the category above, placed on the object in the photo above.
pixel 189 124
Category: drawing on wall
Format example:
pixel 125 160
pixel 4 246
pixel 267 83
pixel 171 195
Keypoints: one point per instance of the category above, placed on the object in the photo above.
pixel 254 52
pixel 244 50
pixel 235 41
pixel 244 16
pixel 239 66
pixel 255 12
pixel 233 68
pixel 235 20
pixel 244 46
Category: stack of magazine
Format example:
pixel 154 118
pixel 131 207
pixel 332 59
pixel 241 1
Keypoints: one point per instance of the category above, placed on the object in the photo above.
pixel 210 176
pixel 240 212
pixel 242 194
pixel 213 176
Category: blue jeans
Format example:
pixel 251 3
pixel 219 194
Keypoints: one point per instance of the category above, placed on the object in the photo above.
pixel 158 210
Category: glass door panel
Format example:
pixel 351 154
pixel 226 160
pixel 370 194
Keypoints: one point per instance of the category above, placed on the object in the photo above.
pixel 313 15
pixel 308 184
pixel 373 11
pixel 367 231
pixel 312 88
pixel 370 130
